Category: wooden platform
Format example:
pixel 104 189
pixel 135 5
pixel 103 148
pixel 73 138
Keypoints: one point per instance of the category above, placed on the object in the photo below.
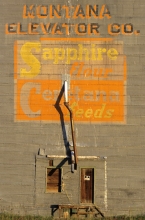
pixel 65 211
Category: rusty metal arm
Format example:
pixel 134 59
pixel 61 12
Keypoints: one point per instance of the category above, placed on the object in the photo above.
pixel 72 131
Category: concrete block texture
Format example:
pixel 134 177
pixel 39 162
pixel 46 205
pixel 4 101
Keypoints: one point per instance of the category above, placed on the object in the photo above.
pixel 99 48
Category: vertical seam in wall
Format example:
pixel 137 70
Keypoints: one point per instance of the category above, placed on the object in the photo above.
pixel 105 187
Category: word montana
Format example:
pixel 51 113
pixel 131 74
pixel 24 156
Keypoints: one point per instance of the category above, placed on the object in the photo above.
pixel 67 11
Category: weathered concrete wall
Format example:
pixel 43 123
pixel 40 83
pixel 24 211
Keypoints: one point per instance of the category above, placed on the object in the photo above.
pixel 120 182
pixel 71 185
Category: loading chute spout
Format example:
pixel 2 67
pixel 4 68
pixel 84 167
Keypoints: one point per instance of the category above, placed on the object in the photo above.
pixel 66 103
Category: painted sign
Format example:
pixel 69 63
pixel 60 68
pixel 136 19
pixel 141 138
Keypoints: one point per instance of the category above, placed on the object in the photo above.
pixel 95 69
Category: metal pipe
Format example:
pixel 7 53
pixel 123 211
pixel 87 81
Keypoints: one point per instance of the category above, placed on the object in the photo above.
pixel 73 135
pixel 66 103
pixel 79 157
pixel 65 91
pixel 57 156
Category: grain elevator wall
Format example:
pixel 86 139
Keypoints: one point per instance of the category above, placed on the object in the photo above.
pixel 98 47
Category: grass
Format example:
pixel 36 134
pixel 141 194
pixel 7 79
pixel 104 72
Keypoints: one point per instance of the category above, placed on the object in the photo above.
pixel 5 216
